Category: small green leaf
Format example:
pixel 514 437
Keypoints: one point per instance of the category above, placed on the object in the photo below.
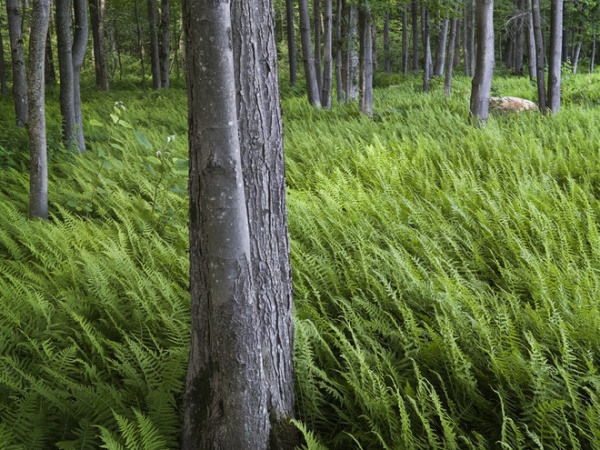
pixel 114 118
pixel 181 165
pixel 96 123
pixel 125 124
pixel 153 159
pixel 107 165
pixel 143 140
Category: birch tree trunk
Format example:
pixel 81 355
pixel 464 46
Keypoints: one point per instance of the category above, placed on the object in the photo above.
pixel 484 66
pixel 531 44
pixel 352 55
pixel 38 165
pixel 17 53
pixel 555 60
pixel 312 87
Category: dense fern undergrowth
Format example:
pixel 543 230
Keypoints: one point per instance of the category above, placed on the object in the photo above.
pixel 446 277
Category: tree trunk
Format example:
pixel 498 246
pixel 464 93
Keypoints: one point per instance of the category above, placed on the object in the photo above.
pixel 427 47
pixel 539 52
pixel 387 60
pixel 64 40
pixel 404 41
pixel 472 50
pixel 3 85
pixel 339 8
pixel 17 53
pixel 352 55
pixel 80 38
pixel 449 67
pixel 519 40
pixel 49 70
pixel 465 27
pixel 415 34
pixel 222 406
pixel 327 55
pixel 317 31
pixel 366 50
pixel 374 57
pixel 576 56
pixel 440 59
pixel 531 44
pixel 291 41
pixel 261 139
pixel 38 166
pixel 97 12
pixel 165 43
pixel 484 66
pixel 555 61
pixel 312 87
pixel 154 45
pixel 140 43
pixel 593 57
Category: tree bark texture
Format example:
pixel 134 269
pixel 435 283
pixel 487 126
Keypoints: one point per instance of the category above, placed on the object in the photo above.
pixel 465 28
pixel 366 50
pixel 531 53
pixel 519 39
pixel 317 32
pixel 484 65
pixel 49 70
pixel 154 44
pixel 64 38
pixel 440 58
pixel 540 55
pixel 312 87
pixel 339 84
pixel 38 166
pixel 165 43
pixel 414 12
pixel 80 38
pixel 17 53
pixel 352 54
pixel 451 48
pixel 327 54
pixel 222 407
pixel 97 13
pixel 291 40
pixel 427 48
pixel 555 58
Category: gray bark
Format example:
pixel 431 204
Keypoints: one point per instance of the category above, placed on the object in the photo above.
pixel 317 32
pixel 339 84
pixel 366 50
pixel 427 70
pixel 440 59
pixel 451 47
pixel 165 43
pixel 555 60
pixel 415 34
pixel 49 70
pixel 352 55
pixel 17 53
pixel 539 52
pixel 519 40
pixel 291 40
pixel 261 139
pixel 154 44
pixel 387 60
pixel 64 39
pixel 576 56
pixel 38 166
pixel 327 54
pixel 310 73
pixel 97 12
pixel 531 54
pixel 80 38
pixel 484 66
pixel 222 407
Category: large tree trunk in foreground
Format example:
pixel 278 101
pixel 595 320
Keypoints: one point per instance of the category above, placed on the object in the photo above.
pixel 554 67
pixel 97 11
pixel 484 66
pixel 17 54
pixel 38 171
pixel 312 87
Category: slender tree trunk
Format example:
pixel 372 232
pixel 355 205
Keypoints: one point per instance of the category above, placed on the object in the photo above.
pixel 484 66
pixel 165 43
pixel 64 39
pixel 519 40
pixel 554 66
pixel 261 139
pixel 310 74
pixel 222 407
pixel 97 13
pixel 387 60
pixel 427 47
pixel 440 59
pixel 539 51
pixel 327 54
pixel 404 41
pixel 291 41
pixel 38 166
pixel 339 8
pixel 3 85
pixel 415 34
pixel 140 42
pixel 317 31
pixel 366 50
pixel 353 46
pixel 17 53
pixel 593 56
pixel 472 49
pixel 80 38
pixel 154 44
pixel 49 70
pixel 374 43
pixel 449 67
pixel 531 44
pixel 465 28
pixel 576 56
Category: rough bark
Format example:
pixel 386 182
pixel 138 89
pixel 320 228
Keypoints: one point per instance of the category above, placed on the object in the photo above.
pixel 3 85
pixel 484 66
pixel 154 44
pixel 317 32
pixel 519 39
pixel 165 43
pixel 80 38
pixel 327 54
pixel 223 409
pixel 312 87
pixel 414 13
pixel 555 58
pixel 261 139
pixel 97 13
pixel 387 60
pixel 64 38
pixel 427 48
pixel 38 166
pixel 19 87
pixel 366 50
pixel 539 52
pixel 451 47
pixel 339 84
pixel 352 55
pixel 440 58
pixel 531 53
pixel 291 41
